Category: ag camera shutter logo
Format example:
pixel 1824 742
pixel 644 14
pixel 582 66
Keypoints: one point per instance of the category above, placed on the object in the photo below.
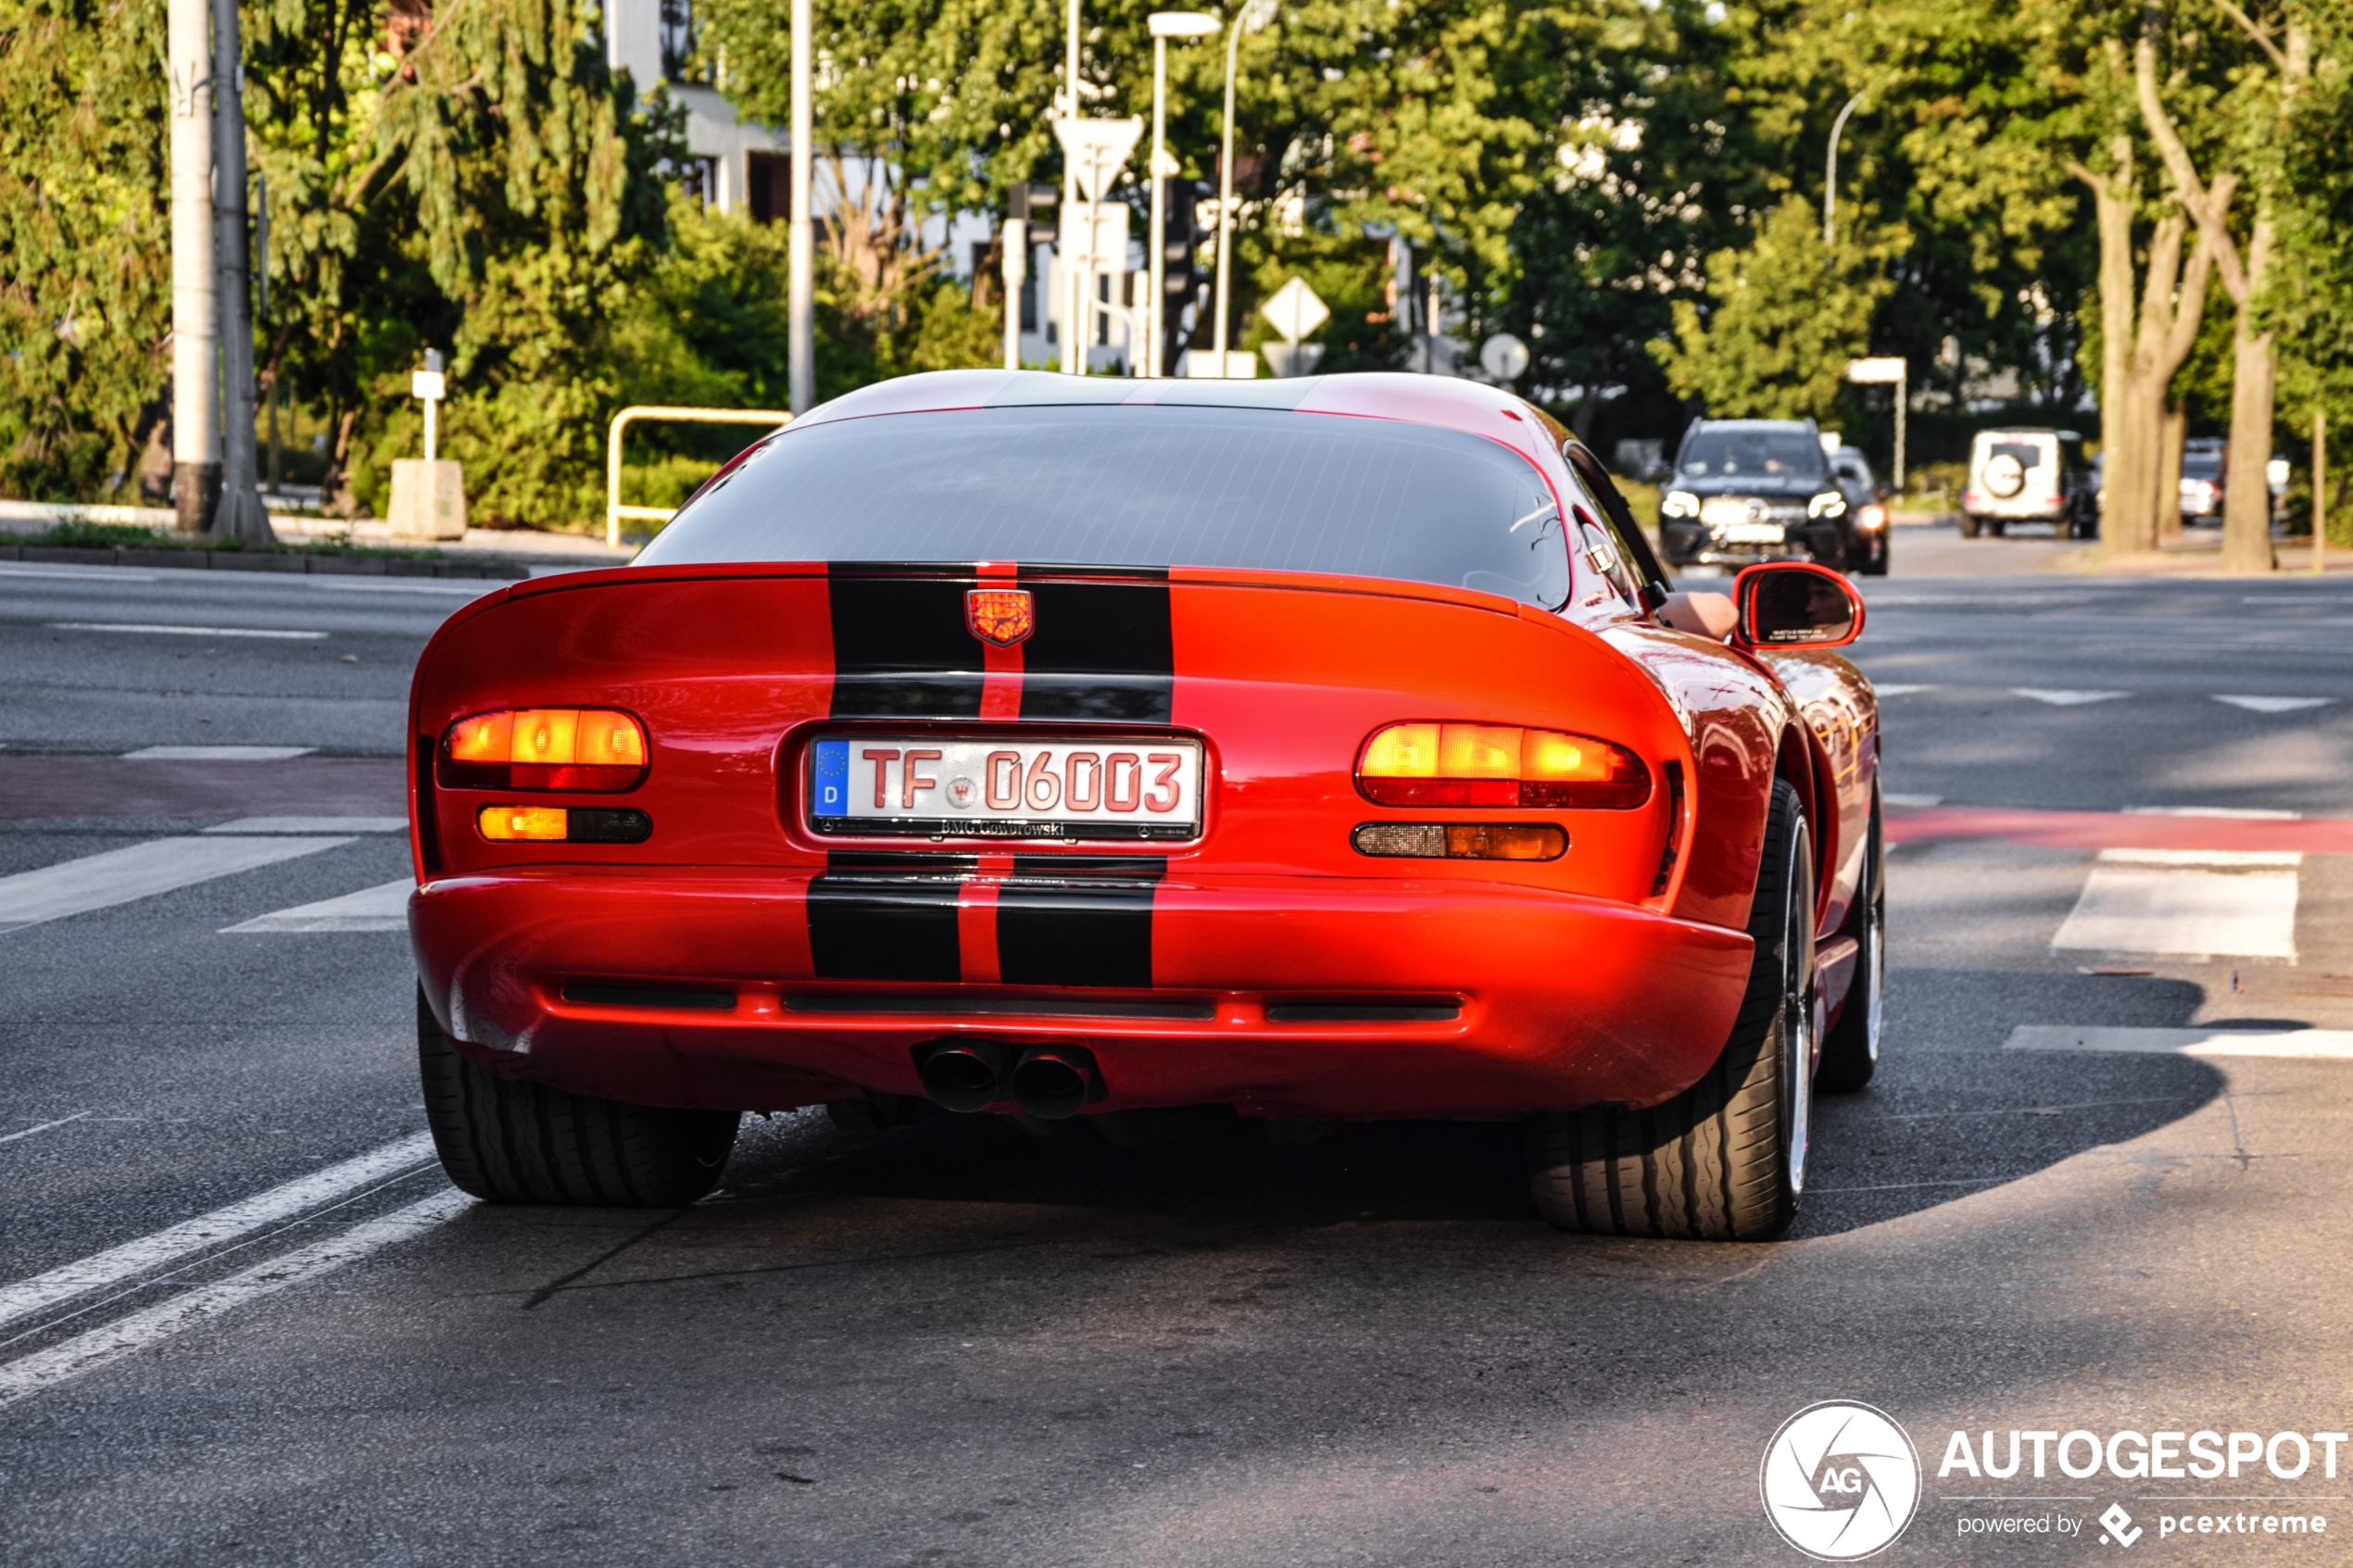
pixel 1839 1481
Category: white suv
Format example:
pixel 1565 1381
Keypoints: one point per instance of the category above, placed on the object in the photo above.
pixel 2028 476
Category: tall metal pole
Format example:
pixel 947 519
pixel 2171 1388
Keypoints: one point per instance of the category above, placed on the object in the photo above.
pixel 1830 174
pixel 2320 491
pixel 1156 247
pixel 1075 280
pixel 802 340
pixel 240 514
pixel 195 369
pixel 1903 397
pixel 1014 238
pixel 1226 190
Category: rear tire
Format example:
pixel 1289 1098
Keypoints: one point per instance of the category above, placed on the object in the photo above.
pixel 1724 1160
pixel 1968 525
pixel 512 1142
pixel 1850 1048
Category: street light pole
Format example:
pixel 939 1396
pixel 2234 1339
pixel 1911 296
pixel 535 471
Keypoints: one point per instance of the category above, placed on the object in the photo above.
pixel 1830 175
pixel 801 329
pixel 1252 17
pixel 195 370
pixel 1074 354
pixel 1164 25
pixel 240 514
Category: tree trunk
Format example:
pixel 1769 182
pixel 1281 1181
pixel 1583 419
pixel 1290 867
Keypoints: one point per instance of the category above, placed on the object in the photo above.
pixel 2246 495
pixel 2127 472
pixel 2168 475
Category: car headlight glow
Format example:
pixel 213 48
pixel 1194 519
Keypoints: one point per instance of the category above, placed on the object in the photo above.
pixel 1830 503
pixel 1679 503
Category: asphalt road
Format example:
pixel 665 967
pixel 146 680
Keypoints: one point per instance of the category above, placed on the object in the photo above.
pixel 960 1344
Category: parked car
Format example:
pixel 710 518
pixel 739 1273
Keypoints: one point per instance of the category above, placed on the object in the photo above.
pixel 2205 468
pixel 1753 490
pixel 1867 504
pixel 2030 475
pixel 931 761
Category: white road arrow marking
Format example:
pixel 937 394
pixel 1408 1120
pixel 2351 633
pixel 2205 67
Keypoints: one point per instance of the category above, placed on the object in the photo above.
pixel 2064 698
pixel 2275 704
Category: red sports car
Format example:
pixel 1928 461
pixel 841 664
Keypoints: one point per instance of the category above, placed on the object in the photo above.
pixel 1322 748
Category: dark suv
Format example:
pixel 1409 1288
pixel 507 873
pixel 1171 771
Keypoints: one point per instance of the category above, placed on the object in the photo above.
pixel 1752 490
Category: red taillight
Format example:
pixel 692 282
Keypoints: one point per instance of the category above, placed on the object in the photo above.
pixel 1431 764
pixel 562 748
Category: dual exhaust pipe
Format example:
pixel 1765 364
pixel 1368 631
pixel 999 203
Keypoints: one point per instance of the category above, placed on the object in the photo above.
pixel 1048 1081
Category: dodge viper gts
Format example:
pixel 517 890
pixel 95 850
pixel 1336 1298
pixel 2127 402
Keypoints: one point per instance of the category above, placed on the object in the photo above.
pixel 1011 744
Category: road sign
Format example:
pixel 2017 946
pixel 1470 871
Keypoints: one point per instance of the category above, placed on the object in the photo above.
pixel 1295 311
pixel 1886 371
pixel 1502 356
pixel 1096 236
pixel 1097 150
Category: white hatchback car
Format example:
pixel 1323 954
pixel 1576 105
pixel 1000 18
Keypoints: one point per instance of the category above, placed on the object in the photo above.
pixel 2028 476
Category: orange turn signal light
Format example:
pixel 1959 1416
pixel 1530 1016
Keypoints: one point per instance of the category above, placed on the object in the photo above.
pixel 1434 764
pixel 562 824
pixel 1463 841
pixel 584 748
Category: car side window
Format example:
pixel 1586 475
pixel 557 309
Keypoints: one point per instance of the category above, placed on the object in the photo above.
pixel 1640 577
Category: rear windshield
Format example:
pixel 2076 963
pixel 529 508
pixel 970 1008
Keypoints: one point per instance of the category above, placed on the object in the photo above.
pixel 2028 453
pixel 1753 454
pixel 2205 465
pixel 1114 486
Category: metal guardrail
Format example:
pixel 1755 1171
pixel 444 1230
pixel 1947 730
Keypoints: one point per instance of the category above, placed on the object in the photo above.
pixel 614 510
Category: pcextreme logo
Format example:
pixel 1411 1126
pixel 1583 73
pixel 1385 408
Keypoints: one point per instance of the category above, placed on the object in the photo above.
pixel 1839 1481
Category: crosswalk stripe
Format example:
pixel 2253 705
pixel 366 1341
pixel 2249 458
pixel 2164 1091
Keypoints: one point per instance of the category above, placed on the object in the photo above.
pixel 2275 704
pixel 27 1297
pixel 218 753
pixel 87 1352
pixel 2204 910
pixel 2059 699
pixel 140 871
pixel 2335 1045
pixel 382 908
pixel 313 825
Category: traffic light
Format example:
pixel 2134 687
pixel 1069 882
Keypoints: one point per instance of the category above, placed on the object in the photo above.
pixel 1035 206
pixel 1180 240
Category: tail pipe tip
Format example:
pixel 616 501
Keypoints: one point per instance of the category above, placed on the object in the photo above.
pixel 1047 1082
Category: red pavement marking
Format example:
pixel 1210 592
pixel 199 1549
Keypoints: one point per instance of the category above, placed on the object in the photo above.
pixel 34 787
pixel 2118 830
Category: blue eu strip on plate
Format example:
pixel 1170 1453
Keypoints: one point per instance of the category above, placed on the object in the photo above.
pixel 832 785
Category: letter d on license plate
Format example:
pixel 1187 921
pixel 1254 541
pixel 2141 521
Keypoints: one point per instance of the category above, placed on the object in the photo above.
pixel 936 787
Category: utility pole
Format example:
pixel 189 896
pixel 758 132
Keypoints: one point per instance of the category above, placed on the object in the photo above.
pixel 1829 169
pixel 802 342
pixel 196 372
pixel 1074 283
pixel 240 514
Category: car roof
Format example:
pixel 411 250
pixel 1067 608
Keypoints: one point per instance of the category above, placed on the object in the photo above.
pixel 1443 401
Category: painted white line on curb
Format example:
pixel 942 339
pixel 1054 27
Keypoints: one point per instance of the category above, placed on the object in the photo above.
pixel 158 629
pixel 118 1264
pixel 2331 1045
pixel 217 753
pixel 139 870
pixel 382 908
pixel 44 1128
pixel 87 1352
pixel 2247 913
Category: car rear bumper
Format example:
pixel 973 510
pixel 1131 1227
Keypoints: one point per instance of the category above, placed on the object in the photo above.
pixel 1309 998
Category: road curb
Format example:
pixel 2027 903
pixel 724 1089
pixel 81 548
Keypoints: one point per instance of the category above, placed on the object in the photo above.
pixel 300 562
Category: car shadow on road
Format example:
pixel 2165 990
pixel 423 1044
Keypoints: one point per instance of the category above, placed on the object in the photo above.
pixel 1936 1127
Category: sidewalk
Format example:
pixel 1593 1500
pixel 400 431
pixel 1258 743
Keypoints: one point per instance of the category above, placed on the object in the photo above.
pixel 22 522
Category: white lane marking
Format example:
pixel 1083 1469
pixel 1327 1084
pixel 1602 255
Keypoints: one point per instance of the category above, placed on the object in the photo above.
pixel 45 1126
pixel 2334 1045
pixel 2202 857
pixel 217 753
pixel 105 573
pixel 2250 913
pixel 87 1352
pixel 2251 813
pixel 118 1263
pixel 1892 690
pixel 2059 699
pixel 139 870
pixel 2275 704
pixel 1913 802
pixel 314 824
pixel 156 629
pixel 384 908
pixel 472 589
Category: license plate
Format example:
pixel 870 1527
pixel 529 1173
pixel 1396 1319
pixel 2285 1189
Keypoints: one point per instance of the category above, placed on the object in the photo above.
pixel 1752 533
pixel 934 787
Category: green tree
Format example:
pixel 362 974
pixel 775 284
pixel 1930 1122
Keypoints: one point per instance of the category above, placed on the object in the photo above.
pixel 1787 313
pixel 85 246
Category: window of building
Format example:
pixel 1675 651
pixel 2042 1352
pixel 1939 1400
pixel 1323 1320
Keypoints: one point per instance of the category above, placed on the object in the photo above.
pixel 678 62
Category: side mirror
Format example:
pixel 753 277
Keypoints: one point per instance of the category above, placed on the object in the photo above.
pixel 1791 605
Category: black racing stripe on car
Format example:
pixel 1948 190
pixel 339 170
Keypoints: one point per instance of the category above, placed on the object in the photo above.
pixel 1061 934
pixel 1103 649
pixel 901 649
pixel 885 928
